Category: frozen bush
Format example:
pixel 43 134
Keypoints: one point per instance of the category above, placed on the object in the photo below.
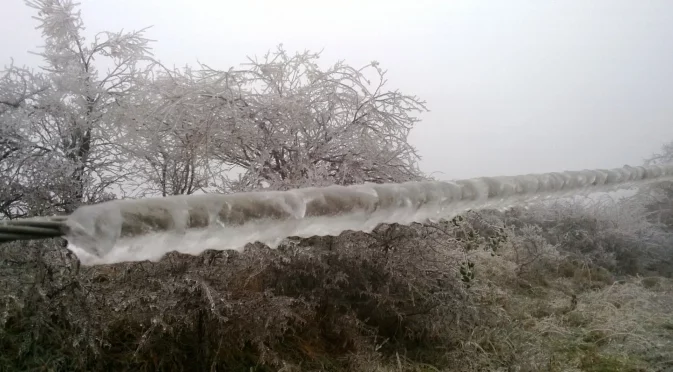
pixel 356 296
pixel 615 235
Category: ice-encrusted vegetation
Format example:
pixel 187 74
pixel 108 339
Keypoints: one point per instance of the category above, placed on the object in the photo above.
pixel 558 286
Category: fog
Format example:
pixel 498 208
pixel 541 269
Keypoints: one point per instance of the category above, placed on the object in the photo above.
pixel 513 87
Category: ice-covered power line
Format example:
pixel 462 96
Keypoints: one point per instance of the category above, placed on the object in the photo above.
pixel 147 229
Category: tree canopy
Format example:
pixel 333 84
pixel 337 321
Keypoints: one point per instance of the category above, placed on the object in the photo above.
pixel 103 119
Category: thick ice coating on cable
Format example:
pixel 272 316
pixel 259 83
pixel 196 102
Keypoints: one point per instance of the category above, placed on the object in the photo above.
pixel 147 229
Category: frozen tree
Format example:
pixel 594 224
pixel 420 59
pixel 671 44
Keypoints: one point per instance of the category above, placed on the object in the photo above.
pixel 286 122
pixel 103 117
pixel 663 157
pixel 168 137
pixel 75 120
pixel 25 167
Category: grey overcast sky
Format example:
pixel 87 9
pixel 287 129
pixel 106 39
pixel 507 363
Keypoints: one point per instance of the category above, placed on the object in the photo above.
pixel 513 86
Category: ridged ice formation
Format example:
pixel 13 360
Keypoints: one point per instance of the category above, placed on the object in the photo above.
pixel 147 229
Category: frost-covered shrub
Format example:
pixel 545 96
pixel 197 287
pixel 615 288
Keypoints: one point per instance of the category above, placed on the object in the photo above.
pixel 352 296
pixel 615 235
pixel 312 304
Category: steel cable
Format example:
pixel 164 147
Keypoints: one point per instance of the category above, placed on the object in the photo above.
pixel 32 228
